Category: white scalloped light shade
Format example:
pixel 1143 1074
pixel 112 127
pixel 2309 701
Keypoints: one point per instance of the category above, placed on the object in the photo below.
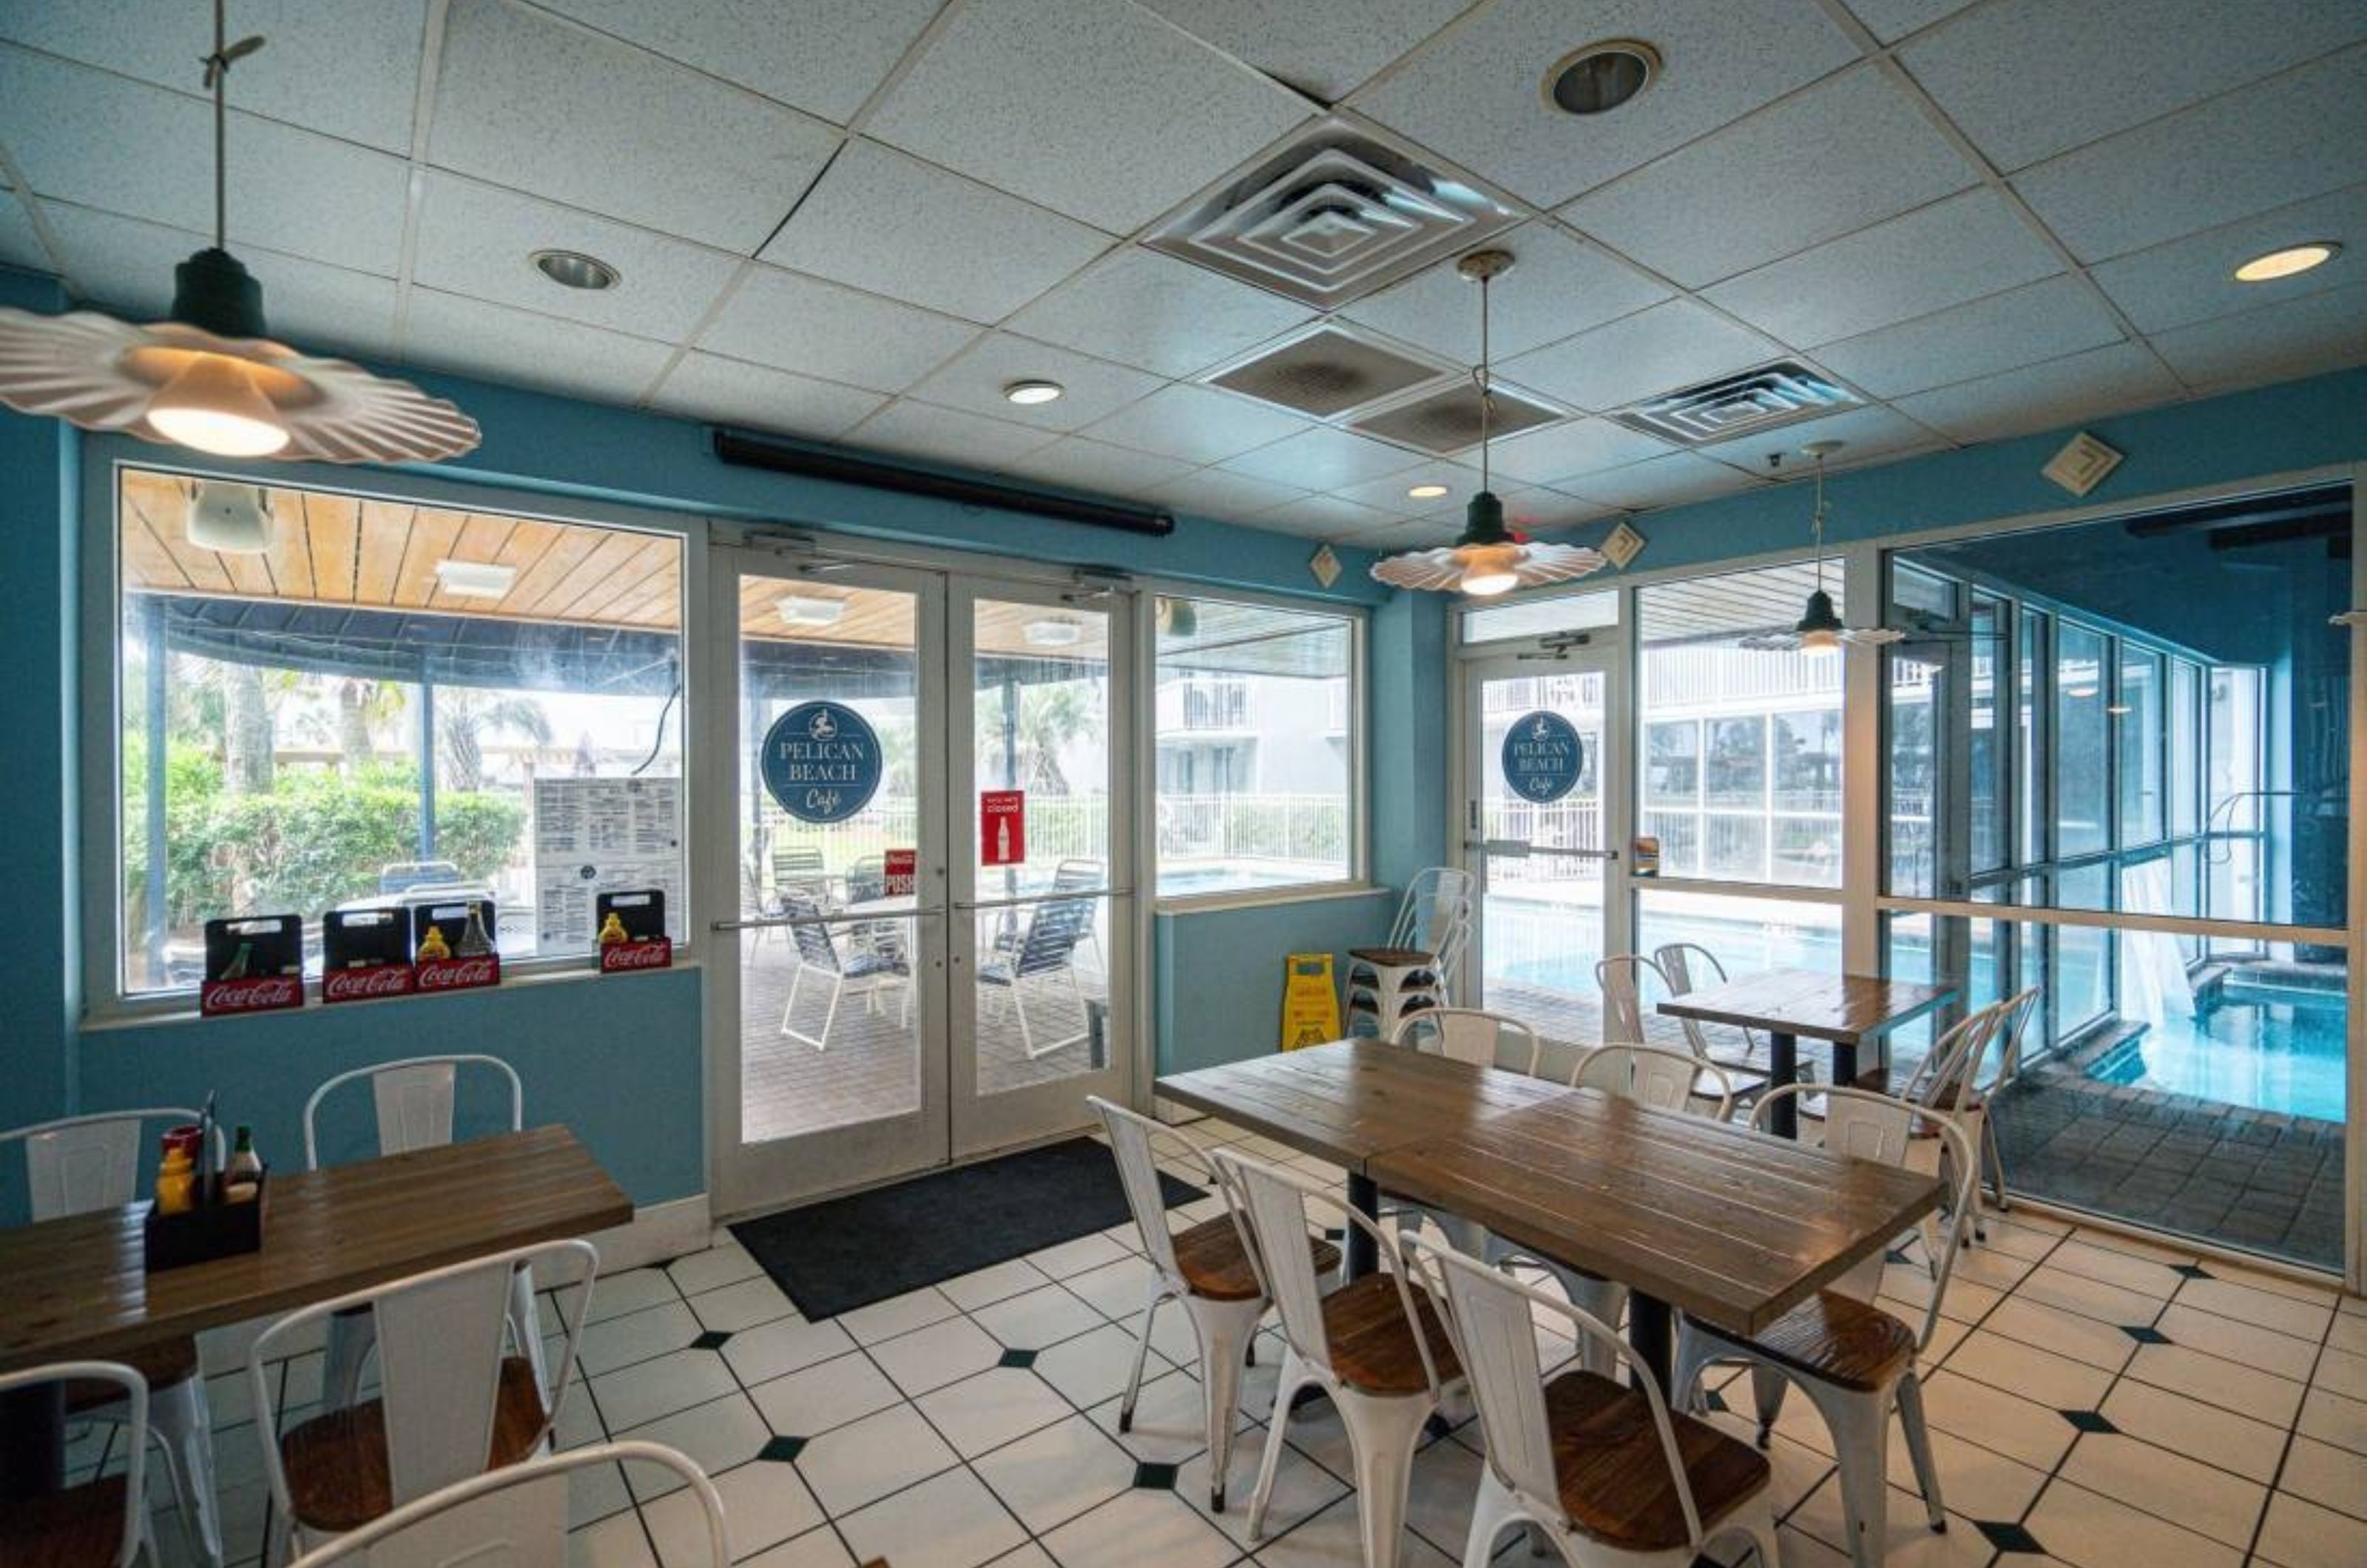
pixel 100 373
pixel 1443 569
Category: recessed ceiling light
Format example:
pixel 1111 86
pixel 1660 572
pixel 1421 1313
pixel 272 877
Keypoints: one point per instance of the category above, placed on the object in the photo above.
pixel 800 611
pixel 1426 492
pixel 1058 631
pixel 1601 77
pixel 475 579
pixel 2286 262
pixel 1028 392
pixel 573 269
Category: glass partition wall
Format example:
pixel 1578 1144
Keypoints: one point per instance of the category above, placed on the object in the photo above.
pixel 2131 737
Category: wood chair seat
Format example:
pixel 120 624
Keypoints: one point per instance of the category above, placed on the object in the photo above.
pixel 336 1463
pixel 165 1363
pixel 1393 958
pixel 80 1526
pixel 1210 1258
pixel 1614 1474
pixel 1840 1339
pixel 1373 1350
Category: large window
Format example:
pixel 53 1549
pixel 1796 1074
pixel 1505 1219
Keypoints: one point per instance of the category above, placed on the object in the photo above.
pixel 381 699
pixel 1257 709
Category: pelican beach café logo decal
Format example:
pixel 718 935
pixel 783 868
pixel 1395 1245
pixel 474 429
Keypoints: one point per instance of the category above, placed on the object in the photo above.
pixel 821 761
pixel 1542 756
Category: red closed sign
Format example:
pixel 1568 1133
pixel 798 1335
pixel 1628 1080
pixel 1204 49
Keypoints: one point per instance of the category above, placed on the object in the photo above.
pixel 365 984
pixel 1002 826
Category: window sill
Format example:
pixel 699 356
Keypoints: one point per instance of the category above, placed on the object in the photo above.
pixel 1263 898
pixel 181 1007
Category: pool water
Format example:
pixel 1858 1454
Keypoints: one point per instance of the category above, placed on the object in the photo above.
pixel 2269 1047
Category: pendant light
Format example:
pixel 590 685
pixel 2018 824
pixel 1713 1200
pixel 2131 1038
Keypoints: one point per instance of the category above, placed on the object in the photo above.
pixel 1819 631
pixel 1487 558
pixel 211 377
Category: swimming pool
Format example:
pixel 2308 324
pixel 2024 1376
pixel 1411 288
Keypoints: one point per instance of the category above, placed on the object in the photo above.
pixel 2269 1047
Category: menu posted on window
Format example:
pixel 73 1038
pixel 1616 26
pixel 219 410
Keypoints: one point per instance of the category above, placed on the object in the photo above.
pixel 1002 826
pixel 596 836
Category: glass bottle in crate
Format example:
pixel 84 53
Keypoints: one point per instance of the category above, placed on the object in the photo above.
pixel 474 942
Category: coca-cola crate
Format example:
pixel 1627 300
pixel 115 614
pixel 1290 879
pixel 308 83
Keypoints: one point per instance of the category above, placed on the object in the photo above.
pixel 624 958
pixel 641 914
pixel 367 983
pixel 456 974
pixel 254 963
pixel 212 1229
pixel 365 955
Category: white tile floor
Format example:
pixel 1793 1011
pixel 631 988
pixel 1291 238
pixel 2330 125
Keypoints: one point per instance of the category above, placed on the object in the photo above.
pixel 2097 1401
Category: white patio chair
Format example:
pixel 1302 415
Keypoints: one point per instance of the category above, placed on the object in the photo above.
pixel 1599 1464
pixel 452 1402
pixel 1206 1267
pixel 1855 1360
pixel 425 1532
pixel 101 1523
pixel 413 1100
pixel 81 1162
pixel 1373 1345
pixel 1046 951
pixel 866 969
pixel 799 871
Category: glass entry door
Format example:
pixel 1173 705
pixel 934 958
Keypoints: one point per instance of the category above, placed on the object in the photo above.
pixel 929 952
pixel 1539 837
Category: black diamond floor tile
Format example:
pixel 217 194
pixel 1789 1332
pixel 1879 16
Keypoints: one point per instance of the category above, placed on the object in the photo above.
pixel 1018 1358
pixel 2009 1536
pixel 781 1450
pixel 1155 1477
pixel 2145 1336
pixel 2088 1420
pixel 713 1339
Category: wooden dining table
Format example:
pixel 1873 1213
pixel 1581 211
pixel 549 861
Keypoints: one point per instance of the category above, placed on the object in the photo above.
pixel 1845 1011
pixel 77 1287
pixel 1727 1224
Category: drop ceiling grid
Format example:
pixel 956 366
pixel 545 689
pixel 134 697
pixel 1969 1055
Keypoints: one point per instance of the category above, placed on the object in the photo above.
pixel 643 361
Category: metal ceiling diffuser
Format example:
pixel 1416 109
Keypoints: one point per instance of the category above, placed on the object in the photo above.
pixel 211 377
pixel 1820 630
pixel 1486 558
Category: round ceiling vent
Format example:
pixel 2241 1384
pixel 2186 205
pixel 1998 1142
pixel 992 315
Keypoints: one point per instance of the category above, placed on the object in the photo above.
pixel 1601 77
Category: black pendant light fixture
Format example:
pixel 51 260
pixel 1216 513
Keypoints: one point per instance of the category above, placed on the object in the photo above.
pixel 1820 630
pixel 211 377
pixel 1485 557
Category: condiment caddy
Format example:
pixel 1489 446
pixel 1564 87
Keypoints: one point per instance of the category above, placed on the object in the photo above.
pixel 201 1214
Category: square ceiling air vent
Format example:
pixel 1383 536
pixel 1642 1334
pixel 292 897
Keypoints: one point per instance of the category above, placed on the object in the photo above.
pixel 1332 217
pixel 1326 370
pixel 1448 422
pixel 1764 398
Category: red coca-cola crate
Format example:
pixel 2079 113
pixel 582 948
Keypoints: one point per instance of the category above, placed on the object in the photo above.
pixel 641 914
pixel 254 963
pixel 365 955
pixel 367 983
pixel 624 958
pixel 456 974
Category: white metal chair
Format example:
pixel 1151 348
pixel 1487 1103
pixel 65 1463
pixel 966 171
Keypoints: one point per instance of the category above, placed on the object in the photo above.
pixel 866 969
pixel 1620 978
pixel 1434 917
pixel 1373 1345
pixel 1206 1267
pixel 468 1525
pixel 81 1162
pixel 1943 1087
pixel 799 871
pixel 1683 965
pixel 2013 1021
pixel 1854 1359
pixel 1657 1077
pixel 101 1523
pixel 453 1401
pixel 414 1101
pixel 1045 950
pixel 1599 1464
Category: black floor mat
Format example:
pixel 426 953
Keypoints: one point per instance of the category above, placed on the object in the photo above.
pixel 848 1252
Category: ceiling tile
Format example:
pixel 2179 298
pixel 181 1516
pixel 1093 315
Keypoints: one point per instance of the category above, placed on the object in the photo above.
pixel 1476 96
pixel 479 241
pixel 2193 279
pixel 729 391
pixel 350 72
pixel 1778 182
pixel 2299 337
pixel 947 435
pixel 1100 111
pixel 21 246
pixel 1091 466
pixel 289 190
pixel 2041 320
pixel 2028 79
pixel 823 56
pixel 1389 494
pixel 1324 457
pixel 1867 434
pixel 976 379
pixel 1575 446
pixel 2266 147
pixel 1325 517
pixel 1558 287
pixel 1196 424
pixel 1140 308
pixel 1891 20
pixel 669 147
pixel 897 226
pixel 1653 351
pixel 1219 492
pixel 818 329
pixel 1418 535
pixel 1536 509
pixel 520 349
pixel 127 265
pixel 1323 48
pixel 1672 481
pixel 1944 255
pixel 2058 393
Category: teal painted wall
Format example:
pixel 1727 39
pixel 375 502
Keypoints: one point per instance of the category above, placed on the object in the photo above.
pixel 1220 972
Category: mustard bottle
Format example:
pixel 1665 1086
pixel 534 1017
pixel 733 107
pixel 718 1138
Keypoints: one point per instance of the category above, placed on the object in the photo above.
pixel 176 1181
pixel 433 944
pixel 612 930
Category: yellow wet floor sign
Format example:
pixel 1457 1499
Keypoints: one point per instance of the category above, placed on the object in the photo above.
pixel 1311 1002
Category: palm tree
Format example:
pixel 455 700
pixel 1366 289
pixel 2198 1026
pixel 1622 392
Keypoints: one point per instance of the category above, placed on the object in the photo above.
pixel 466 715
